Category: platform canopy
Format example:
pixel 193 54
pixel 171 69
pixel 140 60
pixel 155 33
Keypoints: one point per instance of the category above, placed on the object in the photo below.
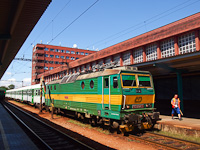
pixel 186 63
pixel 17 19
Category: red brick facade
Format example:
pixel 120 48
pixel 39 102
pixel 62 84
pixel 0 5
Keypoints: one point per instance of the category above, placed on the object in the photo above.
pixel 48 57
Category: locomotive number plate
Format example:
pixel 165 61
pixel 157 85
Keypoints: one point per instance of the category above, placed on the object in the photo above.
pixel 138 106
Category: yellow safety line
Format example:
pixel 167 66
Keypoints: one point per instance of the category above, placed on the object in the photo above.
pixel 5 142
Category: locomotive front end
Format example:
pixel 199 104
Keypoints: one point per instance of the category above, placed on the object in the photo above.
pixel 137 109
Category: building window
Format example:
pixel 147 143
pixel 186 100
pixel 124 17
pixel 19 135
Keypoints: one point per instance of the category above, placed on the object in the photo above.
pixel 82 53
pixel 46 49
pixel 167 48
pixel 45 68
pixel 61 63
pixel 62 51
pixel 126 58
pixel 51 56
pixel 72 58
pixel 63 57
pixel 77 53
pixel 82 68
pixel 151 52
pixel 86 54
pixel 67 51
pixel 51 62
pixel 77 58
pixel 116 59
pixel 67 57
pixel 56 62
pixel 57 56
pixel 57 50
pixel 107 60
pixel 52 50
pixel 138 55
pixel 72 52
pixel 100 62
pixel 46 55
pixel 50 68
pixel 187 43
pixel 45 61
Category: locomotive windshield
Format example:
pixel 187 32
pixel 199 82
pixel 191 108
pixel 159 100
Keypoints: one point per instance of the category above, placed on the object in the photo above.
pixel 144 81
pixel 128 80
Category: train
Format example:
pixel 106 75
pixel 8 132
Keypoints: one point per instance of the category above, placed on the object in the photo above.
pixel 2 94
pixel 28 94
pixel 122 97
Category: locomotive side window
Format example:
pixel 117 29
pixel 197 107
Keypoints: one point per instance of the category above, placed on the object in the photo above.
pixel 106 83
pixel 144 81
pixel 91 84
pixel 128 80
pixel 82 85
pixel 54 87
pixel 51 87
pixel 115 82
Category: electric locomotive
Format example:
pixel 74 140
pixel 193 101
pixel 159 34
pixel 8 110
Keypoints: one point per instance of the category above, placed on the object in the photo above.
pixel 120 97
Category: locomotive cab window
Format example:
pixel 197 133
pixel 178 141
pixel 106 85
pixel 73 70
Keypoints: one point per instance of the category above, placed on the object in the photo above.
pixel 115 82
pixel 82 85
pixel 54 87
pixel 91 84
pixel 144 81
pixel 128 80
pixel 106 83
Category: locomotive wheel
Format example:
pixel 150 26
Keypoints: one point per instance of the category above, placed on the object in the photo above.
pixel 93 121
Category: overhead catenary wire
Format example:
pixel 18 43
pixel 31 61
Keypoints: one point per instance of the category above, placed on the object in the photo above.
pixel 74 20
pixel 141 24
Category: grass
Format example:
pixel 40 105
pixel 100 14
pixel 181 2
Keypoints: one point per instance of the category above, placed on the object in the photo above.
pixel 89 126
pixel 182 136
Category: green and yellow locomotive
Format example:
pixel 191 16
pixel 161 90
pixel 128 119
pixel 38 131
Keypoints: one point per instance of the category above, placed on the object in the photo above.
pixel 120 97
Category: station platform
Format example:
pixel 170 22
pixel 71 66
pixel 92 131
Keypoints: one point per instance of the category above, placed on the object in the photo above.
pixel 188 126
pixel 12 137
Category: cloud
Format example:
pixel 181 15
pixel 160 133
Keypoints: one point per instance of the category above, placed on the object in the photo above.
pixel 27 79
pixel 9 82
pixel 26 82
pixel 8 73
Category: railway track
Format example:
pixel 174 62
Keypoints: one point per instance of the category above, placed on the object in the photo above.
pixel 45 136
pixel 167 142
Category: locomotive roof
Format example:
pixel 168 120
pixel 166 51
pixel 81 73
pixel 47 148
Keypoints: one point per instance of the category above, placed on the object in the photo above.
pixel 77 76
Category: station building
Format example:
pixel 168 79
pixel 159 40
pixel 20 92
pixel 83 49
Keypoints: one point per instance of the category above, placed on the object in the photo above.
pixel 170 53
pixel 47 57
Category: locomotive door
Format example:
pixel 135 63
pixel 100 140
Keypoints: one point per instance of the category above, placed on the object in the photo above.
pixel 106 92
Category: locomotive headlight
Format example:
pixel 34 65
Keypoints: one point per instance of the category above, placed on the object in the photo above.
pixel 148 105
pixel 127 106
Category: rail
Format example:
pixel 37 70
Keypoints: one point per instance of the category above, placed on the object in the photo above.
pixel 46 136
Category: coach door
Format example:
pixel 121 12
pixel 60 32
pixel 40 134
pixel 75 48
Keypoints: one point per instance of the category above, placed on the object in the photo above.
pixel 106 92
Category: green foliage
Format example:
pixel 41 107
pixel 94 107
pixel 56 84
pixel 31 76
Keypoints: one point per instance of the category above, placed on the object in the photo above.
pixel 11 86
pixel 3 88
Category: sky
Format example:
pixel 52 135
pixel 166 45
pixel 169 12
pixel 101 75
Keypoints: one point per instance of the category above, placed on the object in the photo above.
pixel 94 25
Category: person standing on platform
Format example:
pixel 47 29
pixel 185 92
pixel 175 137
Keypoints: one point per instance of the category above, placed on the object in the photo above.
pixel 176 106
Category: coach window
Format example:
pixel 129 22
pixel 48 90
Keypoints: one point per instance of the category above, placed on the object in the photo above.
pixel 115 82
pixel 54 87
pixel 91 84
pixel 82 85
pixel 106 83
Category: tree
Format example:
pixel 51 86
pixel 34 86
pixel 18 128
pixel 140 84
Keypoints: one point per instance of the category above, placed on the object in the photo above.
pixel 11 86
pixel 3 88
